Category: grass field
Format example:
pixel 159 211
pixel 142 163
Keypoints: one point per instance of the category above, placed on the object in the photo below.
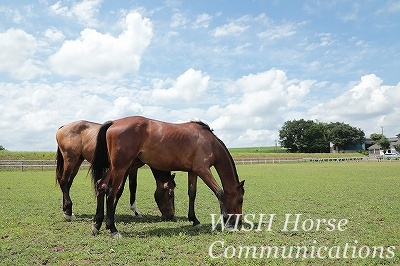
pixel 366 195
pixel 254 152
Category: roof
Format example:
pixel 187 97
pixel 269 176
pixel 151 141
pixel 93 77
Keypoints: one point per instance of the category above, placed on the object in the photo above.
pixel 377 147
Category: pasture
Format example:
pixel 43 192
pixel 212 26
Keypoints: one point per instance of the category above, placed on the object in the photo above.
pixel 365 194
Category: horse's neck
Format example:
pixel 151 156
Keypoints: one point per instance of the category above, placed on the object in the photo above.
pixel 226 170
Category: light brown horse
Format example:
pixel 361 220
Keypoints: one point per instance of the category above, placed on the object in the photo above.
pixel 191 147
pixel 77 142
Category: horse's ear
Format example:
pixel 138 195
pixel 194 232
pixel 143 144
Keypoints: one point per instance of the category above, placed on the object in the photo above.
pixel 173 176
pixel 241 184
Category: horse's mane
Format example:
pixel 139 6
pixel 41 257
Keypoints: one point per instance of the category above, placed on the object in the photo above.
pixel 207 127
pixel 203 125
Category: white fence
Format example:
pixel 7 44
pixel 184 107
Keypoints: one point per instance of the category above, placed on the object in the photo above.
pixel 51 164
pixel 30 164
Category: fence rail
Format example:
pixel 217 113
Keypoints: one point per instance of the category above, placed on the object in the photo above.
pixel 31 164
pixel 51 164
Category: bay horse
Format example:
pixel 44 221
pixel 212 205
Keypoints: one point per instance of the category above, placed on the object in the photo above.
pixel 76 142
pixel 190 147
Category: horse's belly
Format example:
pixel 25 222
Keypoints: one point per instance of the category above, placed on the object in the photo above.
pixel 166 162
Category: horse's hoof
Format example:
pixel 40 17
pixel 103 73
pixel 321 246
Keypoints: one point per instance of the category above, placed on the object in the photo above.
pixel 197 225
pixel 230 228
pixel 69 217
pixel 116 235
pixel 137 215
pixel 95 231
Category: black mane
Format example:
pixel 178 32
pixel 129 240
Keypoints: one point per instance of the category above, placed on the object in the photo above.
pixel 207 127
pixel 203 125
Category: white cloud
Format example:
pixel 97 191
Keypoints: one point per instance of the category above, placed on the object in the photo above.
pixel 178 20
pixel 202 21
pixel 250 136
pixel 99 55
pixel 32 112
pixel 84 12
pixel 264 98
pixel 363 105
pixel 124 106
pixel 368 98
pixel 390 7
pixel 54 35
pixel 231 28
pixel 278 32
pixel 17 51
pixel 14 15
pixel 187 87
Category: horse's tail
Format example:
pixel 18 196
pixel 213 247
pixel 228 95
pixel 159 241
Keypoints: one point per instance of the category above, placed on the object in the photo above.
pixel 100 159
pixel 59 165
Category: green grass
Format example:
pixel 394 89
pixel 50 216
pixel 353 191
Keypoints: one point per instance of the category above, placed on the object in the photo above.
pixel 27 155
pixel 33 231
pixel 253 152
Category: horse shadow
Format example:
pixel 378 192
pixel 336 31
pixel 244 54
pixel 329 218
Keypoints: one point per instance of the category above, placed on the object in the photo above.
pixel 188 229
pixel 127 218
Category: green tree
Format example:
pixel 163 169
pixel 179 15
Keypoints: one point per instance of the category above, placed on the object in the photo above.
pixel 2 148
pixel 384 143
pixel 303 136
pixel 376 137
pixel 309 136
pixel 343 135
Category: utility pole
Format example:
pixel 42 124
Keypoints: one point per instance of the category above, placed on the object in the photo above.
pixel 382 130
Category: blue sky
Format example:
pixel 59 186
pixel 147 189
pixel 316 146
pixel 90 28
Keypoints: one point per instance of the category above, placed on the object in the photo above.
pixel 244 67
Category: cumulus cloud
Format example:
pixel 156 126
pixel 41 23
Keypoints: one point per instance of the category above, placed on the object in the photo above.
pixel 17 54
pixel 84 12
pixel 262 100
pixel 124 106
pixel 54 35
pixel 363 105
pixel 187 87
pixel 32 112
pixel 367 98
pixel 95 54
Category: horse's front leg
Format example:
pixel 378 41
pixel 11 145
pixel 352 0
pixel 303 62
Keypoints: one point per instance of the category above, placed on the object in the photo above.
pixel 192 187
pixel 209 180
pixel 132 190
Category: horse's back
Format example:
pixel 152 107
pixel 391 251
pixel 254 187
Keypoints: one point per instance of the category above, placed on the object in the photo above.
pixel 165 146
pixel 78 138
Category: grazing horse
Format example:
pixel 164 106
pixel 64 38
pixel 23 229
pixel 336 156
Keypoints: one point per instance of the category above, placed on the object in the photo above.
pixel 77 142
pixel 191 147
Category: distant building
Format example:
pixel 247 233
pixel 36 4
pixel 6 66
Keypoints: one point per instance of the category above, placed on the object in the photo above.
pixel 376 150
pixel 355 147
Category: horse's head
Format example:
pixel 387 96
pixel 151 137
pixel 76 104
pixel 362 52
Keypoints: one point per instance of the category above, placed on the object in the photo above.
pixel 165 197
pixel 233 203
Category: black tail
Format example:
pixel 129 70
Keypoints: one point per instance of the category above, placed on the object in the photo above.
pixel 60 165
pixel 100 162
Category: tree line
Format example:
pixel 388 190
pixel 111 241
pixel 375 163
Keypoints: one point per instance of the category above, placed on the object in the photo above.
pixel 308 136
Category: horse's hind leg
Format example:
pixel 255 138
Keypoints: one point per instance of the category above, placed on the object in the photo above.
pixel 99 216
pixel 132 190
pixel 115 188
pixel 192 186
pixel 71 169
